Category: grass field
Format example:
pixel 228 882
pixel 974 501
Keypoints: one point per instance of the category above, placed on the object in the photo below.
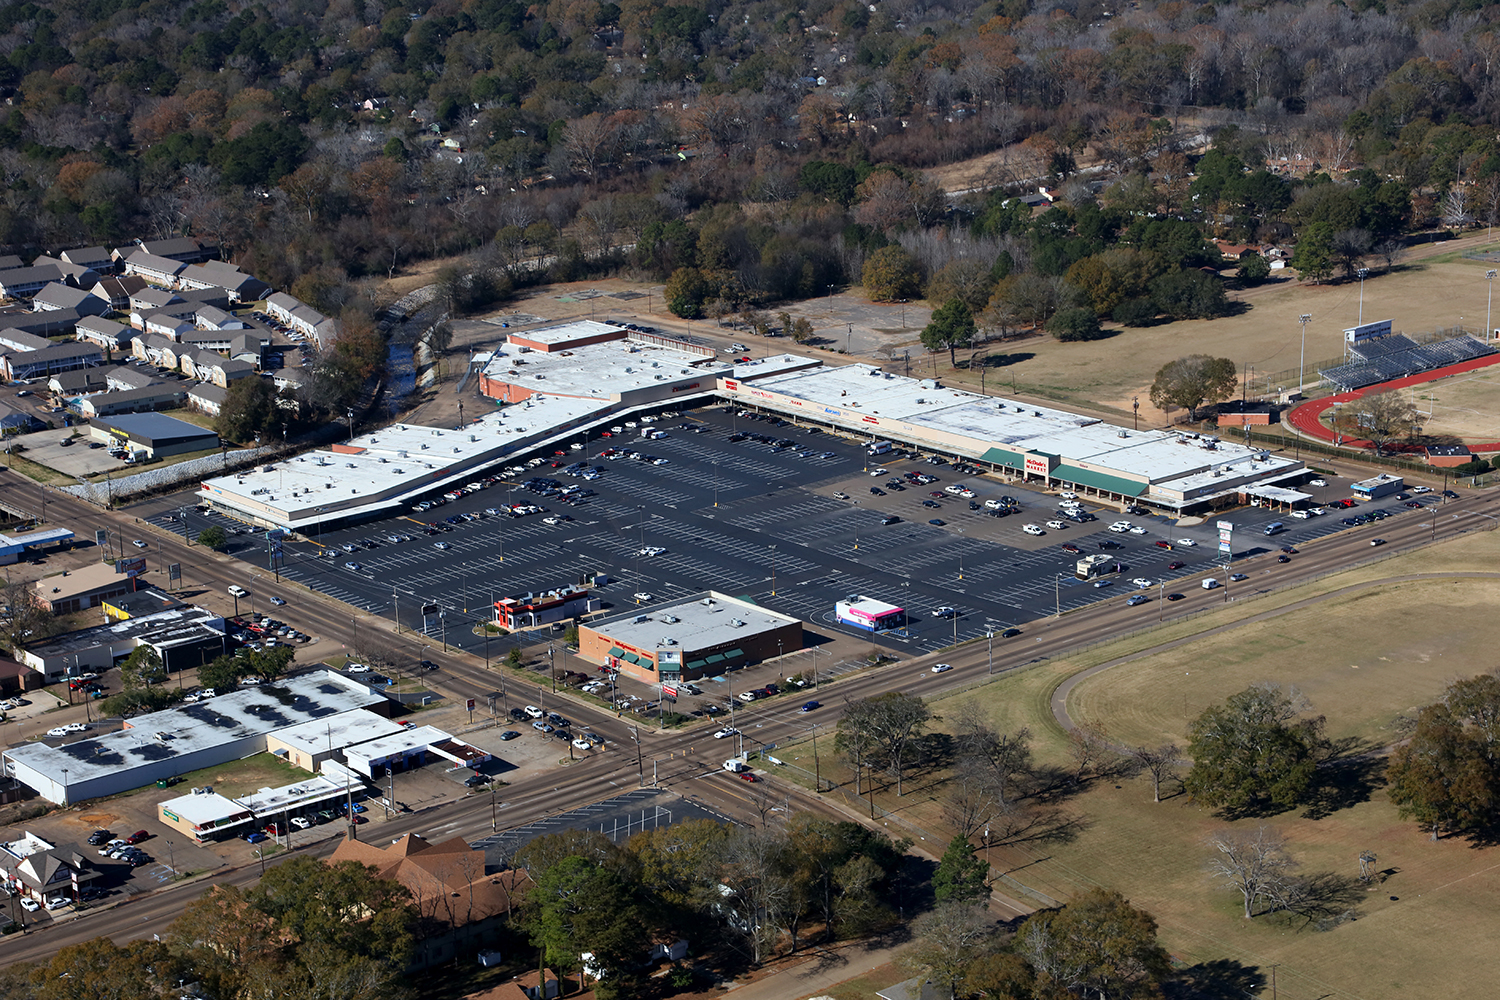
pixel 1463 406
pixel 1362 657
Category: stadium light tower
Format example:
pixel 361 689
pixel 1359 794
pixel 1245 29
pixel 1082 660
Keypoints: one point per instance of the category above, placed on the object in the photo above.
pixel 1362 272
pixel 1304 319
pixel 1489 279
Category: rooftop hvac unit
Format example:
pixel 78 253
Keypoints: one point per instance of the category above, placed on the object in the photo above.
pixel 382 461
pixel 642 618
pixel 737 622
pixel 668 641
pixel 707 602
pixel 350 465
pixel 671 619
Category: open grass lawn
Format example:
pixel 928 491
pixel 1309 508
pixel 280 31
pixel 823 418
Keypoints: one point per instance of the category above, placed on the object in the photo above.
pixel 1464 406
pixel 1362 657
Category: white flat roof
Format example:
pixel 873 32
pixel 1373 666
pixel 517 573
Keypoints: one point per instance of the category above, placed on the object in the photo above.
pixel 697 625
pixel 310 789
pixel 200 810
pixel 405 741
pixel 776 364
pixel 395 462
pixel 601 371
pixel 187 729
pixel 1148 456
pixel 562 333
pixel 336 732
pixel 869 606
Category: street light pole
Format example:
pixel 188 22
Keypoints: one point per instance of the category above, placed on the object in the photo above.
pixel 1304 319
pixel 1489 279
pixel 990 638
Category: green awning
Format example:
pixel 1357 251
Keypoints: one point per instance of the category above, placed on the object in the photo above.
pixel 733 654
pixel 1098 480
pixel 615 651
pixel 632 658
pixel 696 664
pixel 714 658
pixel 1002 456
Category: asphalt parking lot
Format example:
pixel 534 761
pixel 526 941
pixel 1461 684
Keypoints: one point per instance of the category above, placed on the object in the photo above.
pixel 764 524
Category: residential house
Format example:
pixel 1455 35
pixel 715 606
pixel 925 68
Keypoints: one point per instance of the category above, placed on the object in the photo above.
pixel 222 371
pixel 200 297
pixel 58 297
pixel 149 302
pixel 214 318
pixel 81 382
pixel 289 379
pixel 916 988
pixel 118 290
pixel 94 258
pixel 74 274
pixel 16 339
pixel 205 397
pixel 157 270
pixel 105 332
pixel 165 325
pixel 157 350
pixel 9 262
pixel 17 422
pixel 185 249
pixel 460 900
pixel 241 287
pixel 305 319
pixel 249 348
pixel 280 306
pixel 325 333
pixel 24 282
pixel 45 323
pixel 47 361
pixel 123 377
pixel 162 396
pixel 34 868
pixel 530 985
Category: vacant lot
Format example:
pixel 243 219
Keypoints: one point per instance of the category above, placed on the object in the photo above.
pixel 1363 657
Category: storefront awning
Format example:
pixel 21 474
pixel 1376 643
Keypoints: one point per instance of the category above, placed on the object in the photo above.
pixel 733 654
pixel 696 664
pixel 615 651
pixel 1098 480
pixel 714 658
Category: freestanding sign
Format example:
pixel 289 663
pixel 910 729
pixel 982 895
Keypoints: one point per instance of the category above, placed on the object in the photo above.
pixel 1226 536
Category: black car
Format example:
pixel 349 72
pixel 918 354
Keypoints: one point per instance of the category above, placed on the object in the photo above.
pixel 475 780
pixel 1450 494
pixel 1010 633
pixel 518 715
pixel 99 837
pixel 1107 544
pixel 509 734
pixel 890 519
pixel 877 491
pixel 933 504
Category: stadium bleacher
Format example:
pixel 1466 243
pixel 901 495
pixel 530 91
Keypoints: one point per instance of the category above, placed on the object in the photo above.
pixel 1394 356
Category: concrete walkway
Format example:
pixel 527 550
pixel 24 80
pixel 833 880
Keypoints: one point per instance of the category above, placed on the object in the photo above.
pixel 819 971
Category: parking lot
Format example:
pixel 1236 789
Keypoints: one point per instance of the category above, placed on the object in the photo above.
pixel 764 522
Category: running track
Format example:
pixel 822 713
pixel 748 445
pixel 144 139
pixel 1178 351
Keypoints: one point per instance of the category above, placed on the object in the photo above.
pixel 1307 418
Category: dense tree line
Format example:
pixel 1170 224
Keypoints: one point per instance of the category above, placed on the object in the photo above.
pixel 769 148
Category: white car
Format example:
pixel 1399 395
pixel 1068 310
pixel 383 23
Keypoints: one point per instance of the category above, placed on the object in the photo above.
pixel 841 496
pixel 944 612
pixel 1317 482
pixel 1143 583
pixel 941 668
pixel 1421 489
pixel 1125 525
pixel 651 550
pixel 992 505
pixel 57 902
pixel 1119 529
pixel 1137 530
pixel 1186 542
pixel 1317 511
pixel 1032 529
pixel 301 822
pixel 1068 495
pixel 880 472
pixel 553 519
pixel 725 733
pixel 30 905
pixel 356 668
pixel 955 490
pixel 583 744
pixel 532 712
pixel 59 731
pixel 1056 525
pixel 641 595
pixel 1301 515
pixel 78 727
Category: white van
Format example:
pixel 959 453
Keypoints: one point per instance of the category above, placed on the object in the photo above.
pixel 1210 583
pixel 734 766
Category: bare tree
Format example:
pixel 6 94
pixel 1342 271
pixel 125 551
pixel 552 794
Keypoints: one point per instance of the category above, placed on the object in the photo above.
pixel 1379 416
pixel 1004 759
pixel 971 800
pixel 1159 762
pixel 885 729
pixel 1088 745
pixel 949 938
pixel 1256 865
pixel 750 865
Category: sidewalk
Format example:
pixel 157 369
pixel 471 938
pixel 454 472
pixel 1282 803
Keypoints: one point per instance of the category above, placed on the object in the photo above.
pixel 816 973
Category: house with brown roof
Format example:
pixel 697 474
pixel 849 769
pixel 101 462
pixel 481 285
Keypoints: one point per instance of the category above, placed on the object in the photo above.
pixel 460 901
pixel 533 985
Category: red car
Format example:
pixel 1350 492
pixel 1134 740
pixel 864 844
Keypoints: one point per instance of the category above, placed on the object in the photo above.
pixel 747 776
pixel 137 837
pixel 1176 565
pixel 1164 545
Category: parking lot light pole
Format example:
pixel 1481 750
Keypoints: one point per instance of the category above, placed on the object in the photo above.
pixel 1489 278
pixel 990 637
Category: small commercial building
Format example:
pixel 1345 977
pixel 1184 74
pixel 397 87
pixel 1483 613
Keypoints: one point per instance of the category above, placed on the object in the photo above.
pixel 1446 456
pixel 15 545
pixel 35 869
pixel 74 590
pixel 174 742
pixel 868 614
pixel 530 610
pixel 703 635
pixel 1374 488
pixel 410 748
pixel 146 600
pixel 154 434
pixel 185 636
pixel 205 815
pixel 307 746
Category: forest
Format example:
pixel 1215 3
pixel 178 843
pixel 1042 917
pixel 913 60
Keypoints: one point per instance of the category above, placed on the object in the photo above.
pixel 754 152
